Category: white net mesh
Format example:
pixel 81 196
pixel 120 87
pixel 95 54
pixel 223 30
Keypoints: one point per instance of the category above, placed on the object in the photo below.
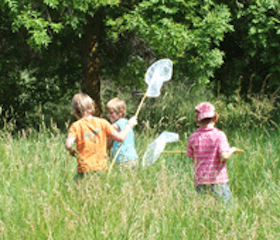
pixel 159 72
pixel 157 146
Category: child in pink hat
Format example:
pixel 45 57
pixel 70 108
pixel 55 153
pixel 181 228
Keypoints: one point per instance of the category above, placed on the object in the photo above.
pixel 209 149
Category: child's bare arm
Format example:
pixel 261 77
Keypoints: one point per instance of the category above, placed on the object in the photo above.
pixel 226 155
pixel 109 143
pixel 69 144
pixel 120 136
pixel 110 139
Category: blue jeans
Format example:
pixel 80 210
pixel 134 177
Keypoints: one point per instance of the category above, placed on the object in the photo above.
pixel 220 191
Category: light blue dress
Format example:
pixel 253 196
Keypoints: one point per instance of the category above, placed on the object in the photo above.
pixel 128 151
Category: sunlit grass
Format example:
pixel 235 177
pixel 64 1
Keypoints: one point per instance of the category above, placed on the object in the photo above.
pixel 41 200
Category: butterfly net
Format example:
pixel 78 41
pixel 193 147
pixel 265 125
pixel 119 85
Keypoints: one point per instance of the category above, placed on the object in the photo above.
pixel 157 146
pixel 159 72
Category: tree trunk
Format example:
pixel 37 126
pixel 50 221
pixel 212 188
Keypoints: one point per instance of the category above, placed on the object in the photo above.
pixel 90 62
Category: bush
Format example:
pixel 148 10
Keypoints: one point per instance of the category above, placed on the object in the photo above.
pixel 173 110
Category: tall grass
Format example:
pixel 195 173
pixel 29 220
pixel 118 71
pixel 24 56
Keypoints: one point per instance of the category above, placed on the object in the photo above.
pixel 174 109
pixel 41 200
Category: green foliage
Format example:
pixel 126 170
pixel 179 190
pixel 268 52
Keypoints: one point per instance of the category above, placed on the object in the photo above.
pixel 31 79
pixel 189 33
pixel 125 61
pixel 218 40
pixel 264 33
pixel 173 110
pixel 252 50
pixel 42 20
pixel 258 112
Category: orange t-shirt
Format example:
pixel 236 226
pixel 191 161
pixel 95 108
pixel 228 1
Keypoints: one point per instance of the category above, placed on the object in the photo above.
pixel 91 139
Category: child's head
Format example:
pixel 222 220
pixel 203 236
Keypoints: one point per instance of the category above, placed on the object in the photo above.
pixel 205 113
pixel 116 108
pixel 82 104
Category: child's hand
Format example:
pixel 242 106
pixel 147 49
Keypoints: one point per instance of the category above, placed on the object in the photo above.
pixel 133 121
pixel 238 150
pixel 233 150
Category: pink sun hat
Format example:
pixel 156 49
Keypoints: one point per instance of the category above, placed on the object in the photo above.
pixel 206 110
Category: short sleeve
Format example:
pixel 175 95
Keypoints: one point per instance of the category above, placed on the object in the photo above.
pixel 72 130
pixel 109 129
pixel 189 149
pixel 121 123
pixel 223 143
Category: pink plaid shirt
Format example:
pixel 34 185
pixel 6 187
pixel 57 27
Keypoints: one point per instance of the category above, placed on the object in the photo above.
pixel 204 147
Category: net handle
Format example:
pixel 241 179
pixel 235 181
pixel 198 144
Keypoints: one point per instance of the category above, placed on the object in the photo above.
pixel 114 160
pixel 173 151
pixel 238 150
pixel 140 105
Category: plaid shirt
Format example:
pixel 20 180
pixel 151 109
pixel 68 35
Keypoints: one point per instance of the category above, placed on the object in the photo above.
pixel 204 147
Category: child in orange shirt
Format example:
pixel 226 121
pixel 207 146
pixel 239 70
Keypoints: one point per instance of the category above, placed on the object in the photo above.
pixel 90 135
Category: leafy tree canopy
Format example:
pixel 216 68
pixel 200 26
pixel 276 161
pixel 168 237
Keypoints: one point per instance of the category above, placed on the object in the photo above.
pixel 43 19
pixel 252 50
pixel 188 32
pixel 210 40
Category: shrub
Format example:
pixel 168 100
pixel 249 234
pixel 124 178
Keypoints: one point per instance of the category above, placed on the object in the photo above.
pixel 173 110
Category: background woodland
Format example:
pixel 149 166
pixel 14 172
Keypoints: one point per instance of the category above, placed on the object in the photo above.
pixel 51 49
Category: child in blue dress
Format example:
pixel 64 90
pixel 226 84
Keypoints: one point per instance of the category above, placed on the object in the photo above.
pixel 127 155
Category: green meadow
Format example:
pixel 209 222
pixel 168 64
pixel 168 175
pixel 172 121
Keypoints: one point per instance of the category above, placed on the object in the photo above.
pixel 224 52
pixel 40 198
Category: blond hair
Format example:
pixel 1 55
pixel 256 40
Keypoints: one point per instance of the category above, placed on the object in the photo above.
pixel 83 104
pixel 117 105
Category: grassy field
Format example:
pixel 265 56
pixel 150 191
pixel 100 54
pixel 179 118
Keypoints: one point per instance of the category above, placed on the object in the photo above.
pixel 40 199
